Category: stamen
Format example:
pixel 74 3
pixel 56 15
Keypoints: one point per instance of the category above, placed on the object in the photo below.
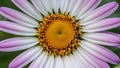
pixel 58 34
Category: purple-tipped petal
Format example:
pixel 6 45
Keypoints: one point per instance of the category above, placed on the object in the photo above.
pixel 92 4
pixel 14 28
pixel 18 17
pixel 27 7
pixel 102 25
pixel 119 39
pixel 102 38
pixel 101 12
pixel 15 44
pixel 115 34
pixel 93 60
pixel 100 52
pixel 25 58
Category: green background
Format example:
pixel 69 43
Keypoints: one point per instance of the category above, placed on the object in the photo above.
pixel 6 58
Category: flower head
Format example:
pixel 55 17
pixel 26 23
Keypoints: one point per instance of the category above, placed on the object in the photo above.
pixel 61 33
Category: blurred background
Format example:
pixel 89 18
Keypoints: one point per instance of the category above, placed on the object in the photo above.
pixel 6 58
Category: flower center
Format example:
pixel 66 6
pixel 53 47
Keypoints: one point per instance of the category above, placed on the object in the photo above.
pixel 58 34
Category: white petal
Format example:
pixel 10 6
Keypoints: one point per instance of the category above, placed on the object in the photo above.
pixel 89 22
pixel 41 65
pixel 50 62
pixel 67 62
pixel 14 44
pixel 47 5
pixel 70 5
pixel 40 7
pixel 14 28
pixel 18 17
pixel 63 5
pixel 100 52
pixel 40 61
pixel 58 62
pixel 25 58
pixel 84 62
pixel 80 6
pixel 75 62
pixel 55 5
pixel 73 12
pixel 27 7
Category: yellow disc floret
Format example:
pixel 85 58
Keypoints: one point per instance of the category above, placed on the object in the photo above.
pixel 58 34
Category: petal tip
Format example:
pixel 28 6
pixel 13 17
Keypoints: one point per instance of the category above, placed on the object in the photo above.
pixel 11 66
pixel 115 3
pixel 118 61
pixel 2 9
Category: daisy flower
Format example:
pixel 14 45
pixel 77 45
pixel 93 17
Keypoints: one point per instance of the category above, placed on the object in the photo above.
pixel 61 33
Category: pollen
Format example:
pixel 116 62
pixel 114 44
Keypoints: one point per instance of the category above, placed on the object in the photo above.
pixel 59 34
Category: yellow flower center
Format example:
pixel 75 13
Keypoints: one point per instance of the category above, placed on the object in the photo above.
pixel 58 34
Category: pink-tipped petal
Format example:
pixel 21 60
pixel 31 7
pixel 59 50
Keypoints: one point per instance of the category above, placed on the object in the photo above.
pixel 18 17
pixel 19 43
pixel 101 63
pixel 119 39
pixel 97 63
pixel 25 58
pixel 92 4
pixel 115 34
pixel 102 38
pixel 102 25
pixel 101 12
pixel 14 28
pixel 100 52
pixel 27 7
